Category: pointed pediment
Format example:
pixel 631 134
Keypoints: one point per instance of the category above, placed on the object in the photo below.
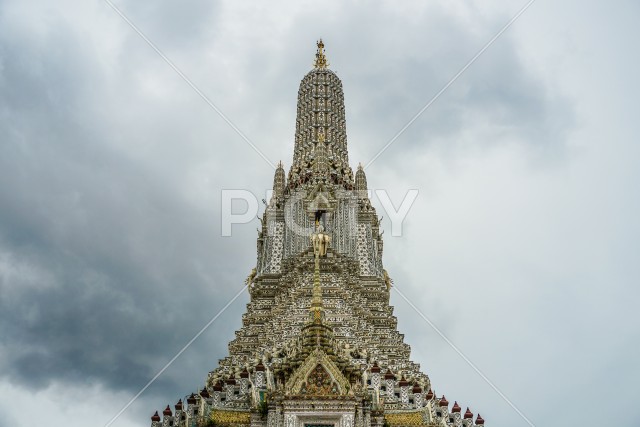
pixel 318 375
pixel 320 198
pixel 320 202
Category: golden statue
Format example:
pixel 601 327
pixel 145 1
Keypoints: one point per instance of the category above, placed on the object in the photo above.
pixel 387 280
pixel 249 280
pixel 320 241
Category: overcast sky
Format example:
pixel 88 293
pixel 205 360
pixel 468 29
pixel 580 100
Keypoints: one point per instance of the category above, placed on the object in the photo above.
pixel 521 247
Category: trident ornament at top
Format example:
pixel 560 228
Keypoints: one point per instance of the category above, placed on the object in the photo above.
pixel 321 60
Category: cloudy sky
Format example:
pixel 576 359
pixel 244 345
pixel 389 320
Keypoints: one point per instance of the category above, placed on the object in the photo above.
pixel 521 247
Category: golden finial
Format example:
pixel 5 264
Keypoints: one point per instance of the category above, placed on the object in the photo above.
pixel 316 299
pixel 321 60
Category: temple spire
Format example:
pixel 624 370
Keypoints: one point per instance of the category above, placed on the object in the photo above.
pixel 279 181
pixel 361 182
pixel 320 120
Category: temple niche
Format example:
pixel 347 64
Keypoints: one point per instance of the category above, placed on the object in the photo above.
pixel 319 344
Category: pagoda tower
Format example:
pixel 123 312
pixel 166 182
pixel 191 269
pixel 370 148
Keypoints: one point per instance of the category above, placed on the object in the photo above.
pixel 319 345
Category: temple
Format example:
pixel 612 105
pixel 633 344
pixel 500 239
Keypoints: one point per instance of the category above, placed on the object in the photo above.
pixel 319 345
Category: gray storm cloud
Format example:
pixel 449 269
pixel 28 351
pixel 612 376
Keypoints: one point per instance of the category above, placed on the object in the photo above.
pixel 111 169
